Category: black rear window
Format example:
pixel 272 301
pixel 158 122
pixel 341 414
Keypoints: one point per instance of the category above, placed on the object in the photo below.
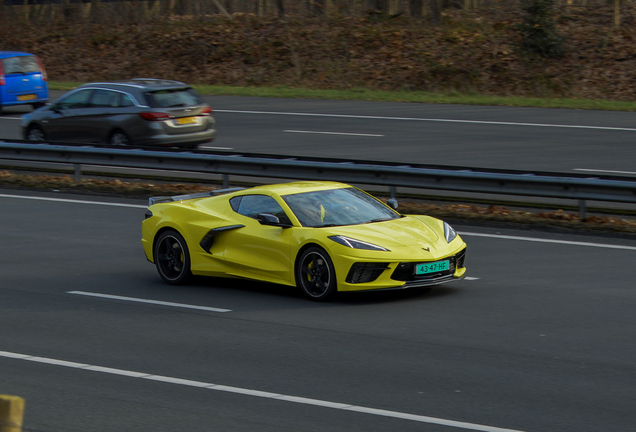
pixel 22 64
pixel 173 98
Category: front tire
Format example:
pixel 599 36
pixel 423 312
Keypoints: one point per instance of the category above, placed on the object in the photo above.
pixel 315 274
pixel 35 133
pixel 172 258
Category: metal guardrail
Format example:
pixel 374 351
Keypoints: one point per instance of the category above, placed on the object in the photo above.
pixel 520 183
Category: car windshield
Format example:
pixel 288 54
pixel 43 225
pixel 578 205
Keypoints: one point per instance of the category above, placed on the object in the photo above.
pixel 335 207
pixel 180 97
pixel 22 65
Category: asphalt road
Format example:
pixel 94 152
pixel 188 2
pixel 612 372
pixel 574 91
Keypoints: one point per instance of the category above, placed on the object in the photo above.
pixel 559 140
pixel 540 339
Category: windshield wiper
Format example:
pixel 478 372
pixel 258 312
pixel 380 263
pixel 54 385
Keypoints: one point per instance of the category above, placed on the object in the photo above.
pixel 379 220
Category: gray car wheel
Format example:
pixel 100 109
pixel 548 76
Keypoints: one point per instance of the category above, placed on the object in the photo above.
pixel 119 138
pixel 35 133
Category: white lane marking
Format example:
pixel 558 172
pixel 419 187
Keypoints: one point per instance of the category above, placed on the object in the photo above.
pixel 157 302
pixel 605 171
pixel 540 240
pixel 262 394
pixel 429 120
pixel 73 201
pixel 333 133
pixel 471 278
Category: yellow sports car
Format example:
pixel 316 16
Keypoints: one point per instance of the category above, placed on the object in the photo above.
pixel 323 237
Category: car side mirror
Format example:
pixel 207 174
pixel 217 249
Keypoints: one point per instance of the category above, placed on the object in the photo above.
pixel 271 220
pixel 392 203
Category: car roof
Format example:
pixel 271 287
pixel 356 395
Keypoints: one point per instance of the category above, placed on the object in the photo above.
pixel 139 84
pixel 297 187
pixel 5 54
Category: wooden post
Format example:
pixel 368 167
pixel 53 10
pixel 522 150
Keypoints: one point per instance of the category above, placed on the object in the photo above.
pixel 11 413
pixel 617 13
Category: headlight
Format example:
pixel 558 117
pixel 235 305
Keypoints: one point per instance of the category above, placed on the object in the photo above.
pixel 449 233
pixel 356 244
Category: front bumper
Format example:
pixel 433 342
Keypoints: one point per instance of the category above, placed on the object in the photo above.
pixel 384 275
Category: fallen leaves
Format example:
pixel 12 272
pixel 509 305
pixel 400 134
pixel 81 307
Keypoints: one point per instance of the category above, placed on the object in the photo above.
pixel 473 50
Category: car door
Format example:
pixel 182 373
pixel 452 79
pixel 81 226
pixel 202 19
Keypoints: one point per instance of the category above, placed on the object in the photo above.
pixel 99 117
pixel 67 115
pixel 260 250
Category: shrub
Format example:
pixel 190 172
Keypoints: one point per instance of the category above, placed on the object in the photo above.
pixel 537 31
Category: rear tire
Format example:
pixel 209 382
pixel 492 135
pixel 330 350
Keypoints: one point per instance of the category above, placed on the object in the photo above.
pixel 172 258
pixel 119 138
pixel 315 274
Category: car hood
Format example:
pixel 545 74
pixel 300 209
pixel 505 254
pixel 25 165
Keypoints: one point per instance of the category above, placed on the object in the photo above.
pixel 404 232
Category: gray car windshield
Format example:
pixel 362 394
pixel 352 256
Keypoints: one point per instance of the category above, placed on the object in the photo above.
pixel 335 207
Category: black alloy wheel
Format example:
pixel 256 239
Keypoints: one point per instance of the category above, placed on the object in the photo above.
pixel 35 133
pixel 172 258
pixel 315 274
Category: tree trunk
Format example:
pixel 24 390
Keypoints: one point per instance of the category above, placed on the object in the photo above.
pixel 281 8
pixel 416 7
pixel 435 7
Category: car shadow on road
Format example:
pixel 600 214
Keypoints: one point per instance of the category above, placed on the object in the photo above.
pixel 391 296
pixel 247 287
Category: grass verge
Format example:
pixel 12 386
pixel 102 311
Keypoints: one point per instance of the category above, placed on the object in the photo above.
pixel 402 96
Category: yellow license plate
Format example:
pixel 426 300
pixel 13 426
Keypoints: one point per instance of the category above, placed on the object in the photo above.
pixel 185 120
pixel 27 97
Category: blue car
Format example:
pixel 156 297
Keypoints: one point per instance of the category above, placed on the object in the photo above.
pixel 23 80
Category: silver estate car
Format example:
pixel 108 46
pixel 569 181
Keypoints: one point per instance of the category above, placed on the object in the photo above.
pixel 139 112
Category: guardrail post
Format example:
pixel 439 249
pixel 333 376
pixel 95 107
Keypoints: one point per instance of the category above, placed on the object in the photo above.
pixel 11 413
pixel 393 192
pixel 78 172
pixel 226 181
pixel 582 209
